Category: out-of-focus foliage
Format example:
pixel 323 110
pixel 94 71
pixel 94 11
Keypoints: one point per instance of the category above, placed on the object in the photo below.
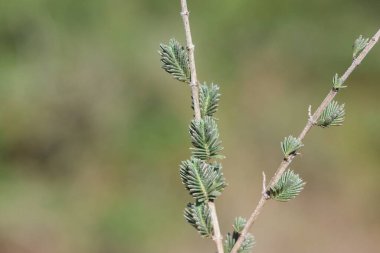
pixel 338 83
pixel 91 129
pixel 359 44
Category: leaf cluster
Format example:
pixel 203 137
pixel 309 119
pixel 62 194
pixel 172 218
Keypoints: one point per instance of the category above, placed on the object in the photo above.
pixel 205 139
pixel 175 60
pixel 204 181
pixel 288 187
pixel 199 216
pixel 231 238
pixel 338 83
pixel 290 146
pixel 359 44
pixel 209 97
pixel 332 115
pixel 239 224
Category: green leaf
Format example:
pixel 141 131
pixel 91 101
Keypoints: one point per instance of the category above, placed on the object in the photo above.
pixel 359 44
pixel 229 243
pixel 332 115
pixel 337 82
pixel 205 182
pixel 205 139
pixel 288 187
pixel 199 216
pixel 290 146
pixel 239 224
pixel 231 239
pixel 175 60
pixel 246 246
pixel 209 97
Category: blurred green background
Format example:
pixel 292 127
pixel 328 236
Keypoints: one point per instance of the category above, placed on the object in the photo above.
pixel 92 130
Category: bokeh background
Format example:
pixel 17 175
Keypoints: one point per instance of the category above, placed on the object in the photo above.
pixel 92 130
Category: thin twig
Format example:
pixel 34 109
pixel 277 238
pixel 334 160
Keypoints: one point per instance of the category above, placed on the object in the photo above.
pixel 264 190
pixel 285 163
pixel 264 182
pixel 310 116
pixel 217 237
pixel 190 48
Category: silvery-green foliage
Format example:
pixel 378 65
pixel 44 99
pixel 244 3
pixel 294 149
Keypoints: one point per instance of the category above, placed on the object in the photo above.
pixel 209 99
pixel 231 238
pixel 290 146
pixel 246 246
pixel 175 60
pixel 337 82
pixel 239 224
pixel 288 187
pixel 332 115
pixel 205 139
pixel 204 181
pixel 359 44
pixel 199 216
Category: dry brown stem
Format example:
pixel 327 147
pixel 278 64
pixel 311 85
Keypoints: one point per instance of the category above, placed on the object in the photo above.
pixel 217 237
pixel 286 162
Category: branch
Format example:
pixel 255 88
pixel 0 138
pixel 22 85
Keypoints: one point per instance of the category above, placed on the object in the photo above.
pixel 217 237
pixel 286 162
pixel 190 48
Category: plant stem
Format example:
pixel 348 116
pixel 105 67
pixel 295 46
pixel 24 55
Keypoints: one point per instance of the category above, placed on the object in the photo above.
pixel 217 237
pixel 193 72
pixel 286 162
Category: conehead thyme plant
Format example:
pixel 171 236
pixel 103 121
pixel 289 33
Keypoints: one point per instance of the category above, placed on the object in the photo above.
pixel 202 173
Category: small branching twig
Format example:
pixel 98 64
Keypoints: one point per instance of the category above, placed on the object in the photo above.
pixel 361 49
pixel 190 48
pixel 217 237
pixel 202 174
